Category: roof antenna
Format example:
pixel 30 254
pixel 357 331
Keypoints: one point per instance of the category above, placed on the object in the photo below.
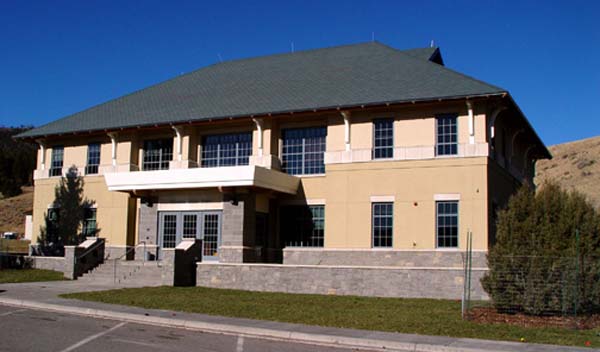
pixel 373 36
pixel 220 58
pixel 431 45
pixel 292 44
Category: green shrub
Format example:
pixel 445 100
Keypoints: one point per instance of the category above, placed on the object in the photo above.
pixel 539 265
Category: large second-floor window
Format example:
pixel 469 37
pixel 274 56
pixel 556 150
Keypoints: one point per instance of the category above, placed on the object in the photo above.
pixel 446 134
pixel 303 225
pixel 303 150
pixel 56 163
pixel 93 158
pixel 383 138
pixel 226 149
pixel 158 153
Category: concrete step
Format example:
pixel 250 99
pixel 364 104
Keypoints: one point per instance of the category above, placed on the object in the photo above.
pixel 128 273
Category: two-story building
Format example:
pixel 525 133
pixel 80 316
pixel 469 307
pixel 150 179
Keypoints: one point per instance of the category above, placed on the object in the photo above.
pixel 352 156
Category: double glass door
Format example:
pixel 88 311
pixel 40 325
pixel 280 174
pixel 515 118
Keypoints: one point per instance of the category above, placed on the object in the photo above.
pixel 175 227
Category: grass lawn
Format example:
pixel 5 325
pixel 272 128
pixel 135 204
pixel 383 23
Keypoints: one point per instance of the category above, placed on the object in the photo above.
pixel 418 316
pixel 9 276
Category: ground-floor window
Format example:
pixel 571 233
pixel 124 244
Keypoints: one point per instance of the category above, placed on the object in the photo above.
pixel 382 224
pixel 303 225
pixel 89 222
pixel 52 224
pixel 447 224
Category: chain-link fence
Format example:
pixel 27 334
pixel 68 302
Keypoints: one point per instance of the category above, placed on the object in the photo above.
pixel 535 290
pixel 13 253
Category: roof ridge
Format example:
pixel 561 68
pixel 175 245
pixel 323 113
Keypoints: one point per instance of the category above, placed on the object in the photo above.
pixel 443 67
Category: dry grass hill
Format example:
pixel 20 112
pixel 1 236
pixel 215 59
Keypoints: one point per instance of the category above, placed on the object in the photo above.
pixel 576 165
pixel 13 211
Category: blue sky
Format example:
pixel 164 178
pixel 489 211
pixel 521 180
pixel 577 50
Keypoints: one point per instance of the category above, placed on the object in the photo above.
pixel 60 57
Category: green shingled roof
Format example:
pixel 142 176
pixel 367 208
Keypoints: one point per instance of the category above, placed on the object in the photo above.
pixel 344 76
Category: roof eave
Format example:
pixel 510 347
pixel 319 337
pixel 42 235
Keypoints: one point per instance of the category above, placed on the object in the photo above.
pixel 26 135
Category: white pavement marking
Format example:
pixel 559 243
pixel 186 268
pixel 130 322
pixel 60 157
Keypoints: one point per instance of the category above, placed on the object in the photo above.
pixel 93 337
pixel 12 312
pixel 240 344
pixel 151 345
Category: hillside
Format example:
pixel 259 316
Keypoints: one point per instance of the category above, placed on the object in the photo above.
pixel 576 165
pixel 13 211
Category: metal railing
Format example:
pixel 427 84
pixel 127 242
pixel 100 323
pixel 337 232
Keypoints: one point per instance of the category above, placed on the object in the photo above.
pixel 127 252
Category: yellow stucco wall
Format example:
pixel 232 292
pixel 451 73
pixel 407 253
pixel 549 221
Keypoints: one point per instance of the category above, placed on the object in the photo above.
pixel 347 190
pixel 113 215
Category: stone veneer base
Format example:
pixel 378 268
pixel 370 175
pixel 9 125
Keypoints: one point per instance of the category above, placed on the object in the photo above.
pixel 381 257
pixel 409 282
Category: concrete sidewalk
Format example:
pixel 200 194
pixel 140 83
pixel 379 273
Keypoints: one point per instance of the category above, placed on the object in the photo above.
pixel 43 296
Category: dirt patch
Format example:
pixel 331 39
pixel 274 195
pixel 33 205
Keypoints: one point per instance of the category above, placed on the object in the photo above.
pixel 14 209
pixel 489 315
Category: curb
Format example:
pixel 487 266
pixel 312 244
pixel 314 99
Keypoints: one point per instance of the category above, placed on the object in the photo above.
pixel 250 332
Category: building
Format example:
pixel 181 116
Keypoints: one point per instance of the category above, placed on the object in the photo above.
pixel 351 156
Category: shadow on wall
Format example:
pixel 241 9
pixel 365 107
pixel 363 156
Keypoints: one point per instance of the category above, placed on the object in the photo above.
pixel 71 218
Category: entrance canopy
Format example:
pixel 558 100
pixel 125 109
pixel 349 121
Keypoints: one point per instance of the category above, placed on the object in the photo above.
pixel 234 176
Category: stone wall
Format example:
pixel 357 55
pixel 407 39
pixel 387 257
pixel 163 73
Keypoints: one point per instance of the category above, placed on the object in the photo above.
pixel 48 263
pixel 379 257
pixel 360 281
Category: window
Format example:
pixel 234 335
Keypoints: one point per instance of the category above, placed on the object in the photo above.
pixel 447 224
pixel 226 149
pixel 383 138
pixel 382 224
pixel 303 226
pixel 89 222
pixel 56 163
pixel 190 226
pixel 93 158
pixel 157 154
pixel 52 225
pixel 447 143
pixel 303 151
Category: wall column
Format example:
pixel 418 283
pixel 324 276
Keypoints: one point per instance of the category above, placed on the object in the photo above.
pixel 238 228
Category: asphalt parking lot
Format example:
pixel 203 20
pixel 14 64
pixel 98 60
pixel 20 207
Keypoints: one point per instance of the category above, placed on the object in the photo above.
pixel 32 330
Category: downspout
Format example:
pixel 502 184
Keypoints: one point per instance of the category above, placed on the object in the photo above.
pixel 471 123
pixel 346 116
pixel 259 127
pixel 113 143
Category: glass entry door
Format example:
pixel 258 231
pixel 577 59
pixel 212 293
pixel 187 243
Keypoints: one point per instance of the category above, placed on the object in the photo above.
pixel 175 227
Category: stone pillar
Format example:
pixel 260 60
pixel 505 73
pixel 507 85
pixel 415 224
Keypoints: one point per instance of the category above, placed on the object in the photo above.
pixel 179 263
pixel 147 232
pixel 70 262
pixel 168 266
pixel 238 230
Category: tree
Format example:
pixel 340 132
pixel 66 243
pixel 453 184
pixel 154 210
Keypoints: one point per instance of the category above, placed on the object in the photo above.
pixel 17 161
pixel 547 256
pixel 63 222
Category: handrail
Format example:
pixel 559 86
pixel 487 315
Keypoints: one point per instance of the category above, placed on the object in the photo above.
pixel 124 255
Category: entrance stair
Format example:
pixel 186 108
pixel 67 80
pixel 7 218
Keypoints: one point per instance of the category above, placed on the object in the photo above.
pixel 132 273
